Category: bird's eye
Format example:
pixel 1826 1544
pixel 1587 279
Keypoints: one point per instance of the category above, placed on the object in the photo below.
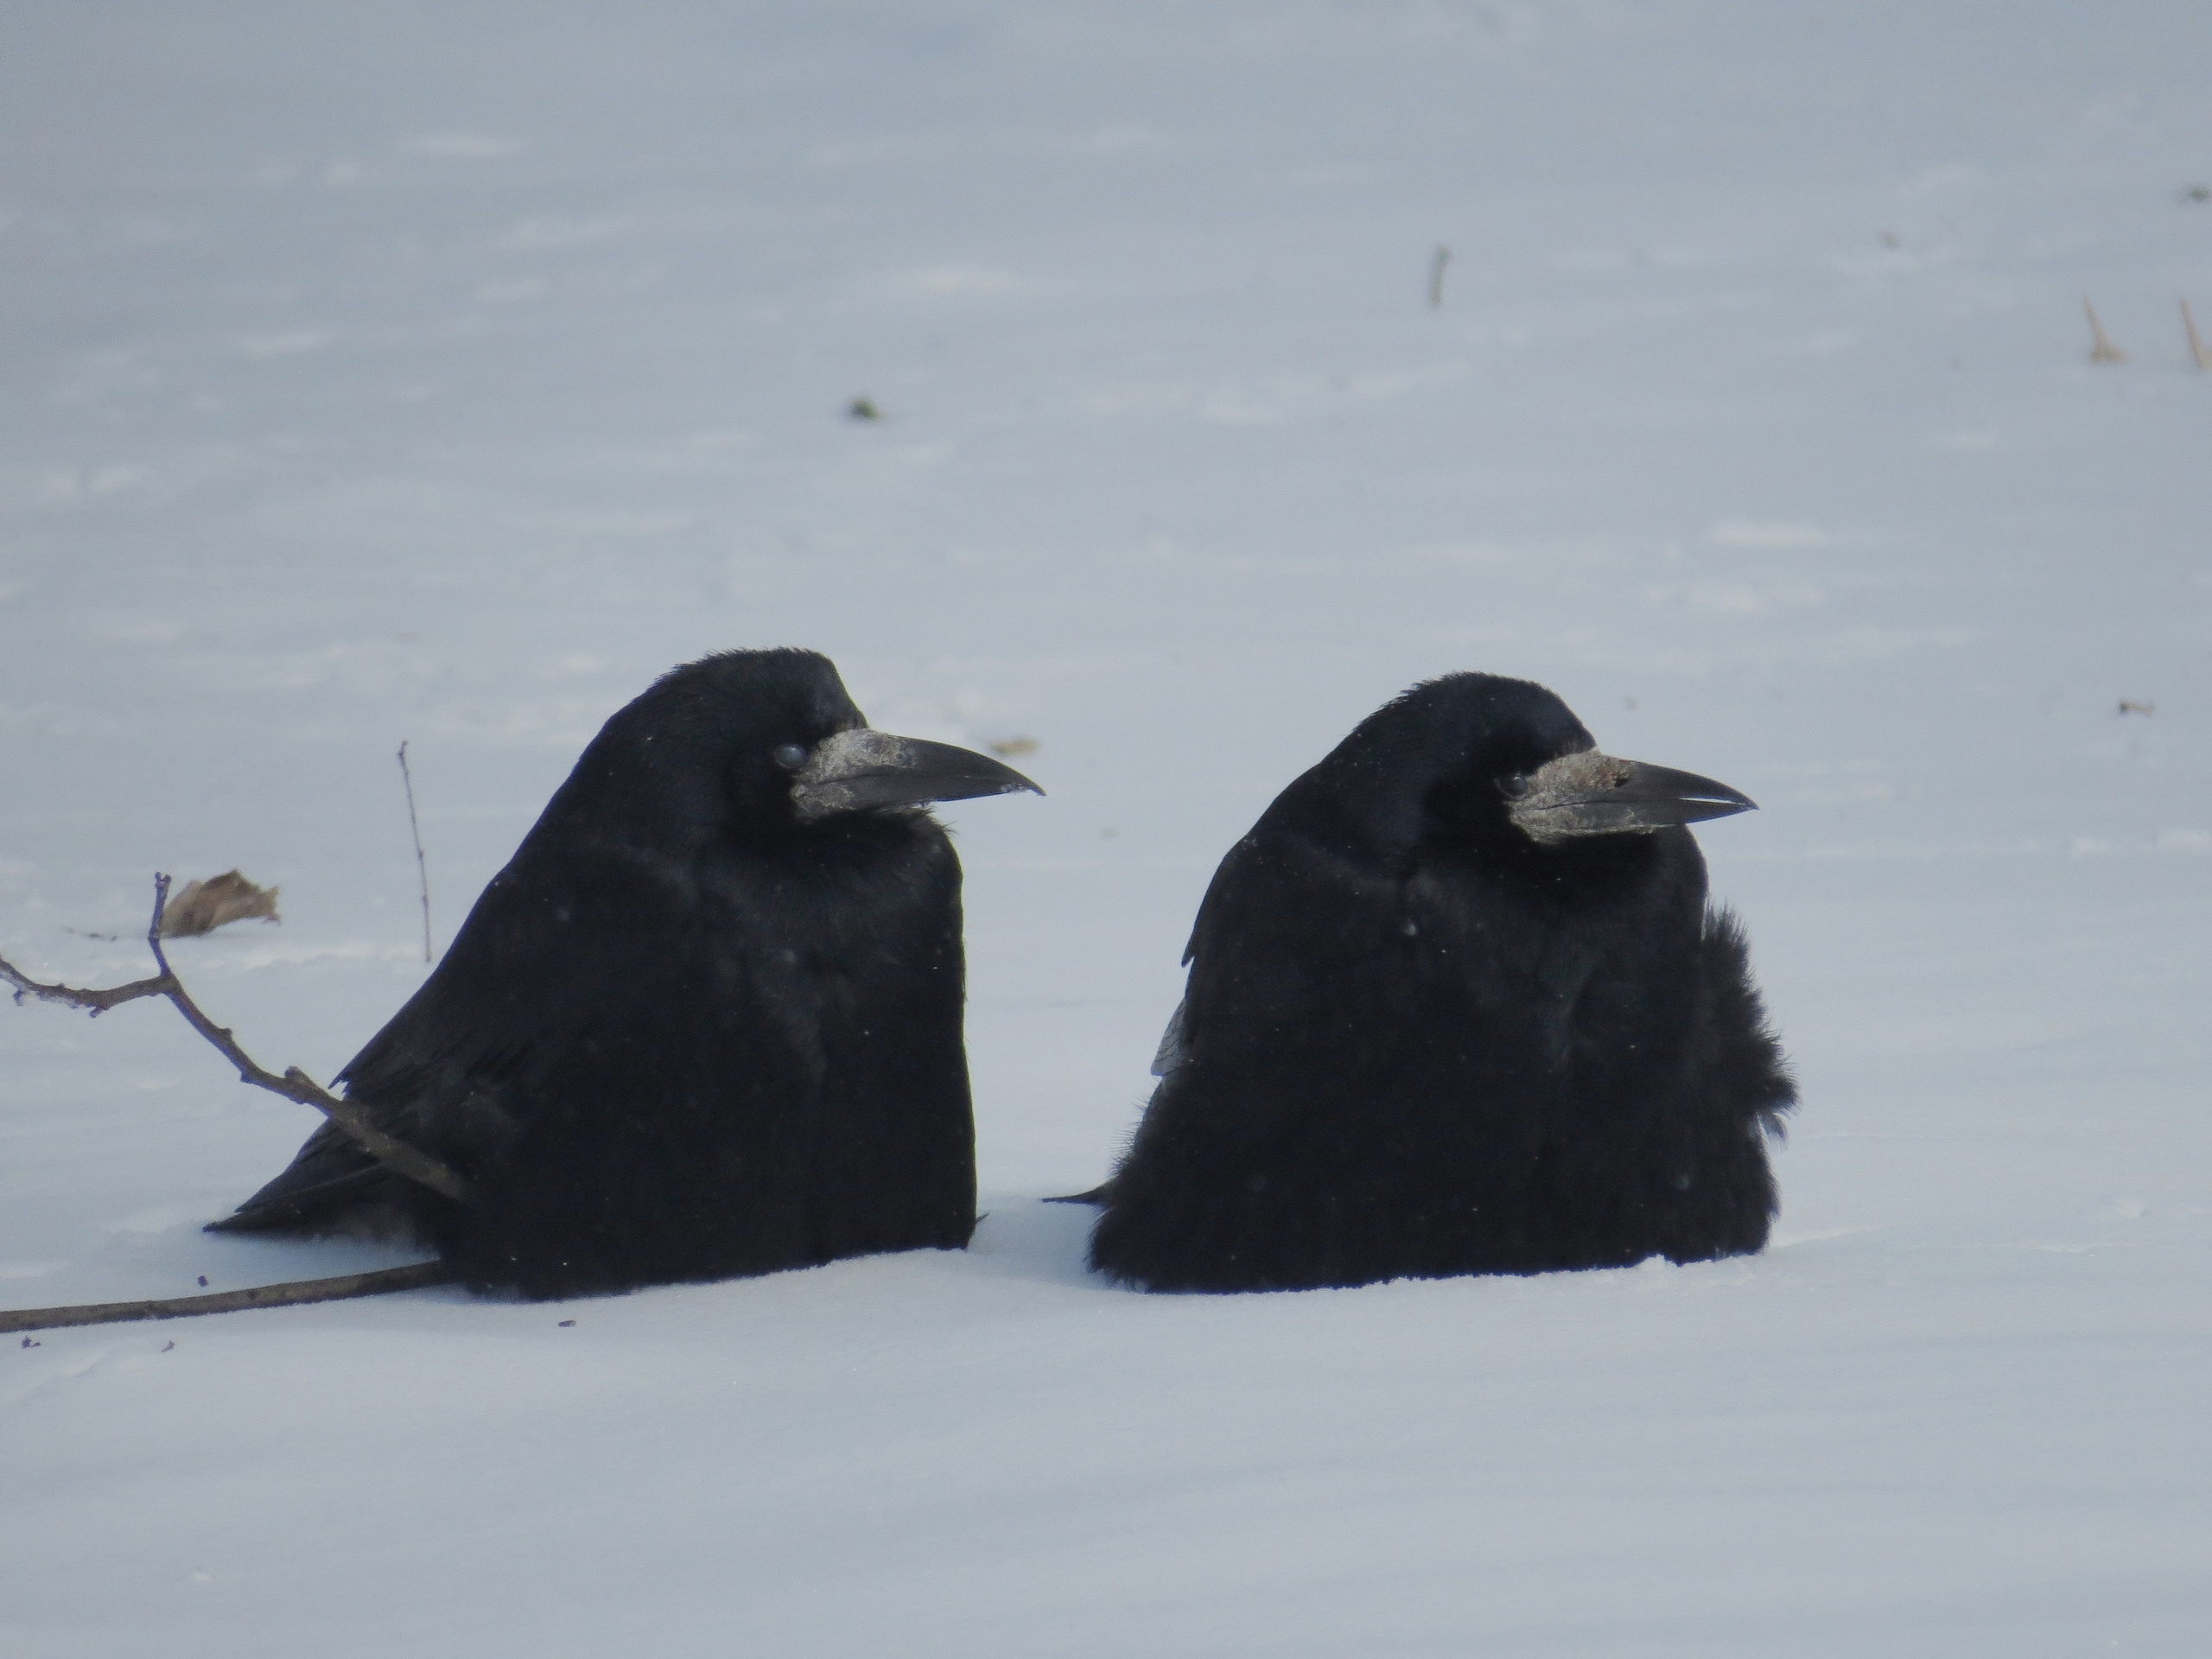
pixel 789 756
pixel 1513 786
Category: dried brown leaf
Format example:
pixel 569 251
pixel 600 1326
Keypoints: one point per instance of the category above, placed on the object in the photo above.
pixel 203 906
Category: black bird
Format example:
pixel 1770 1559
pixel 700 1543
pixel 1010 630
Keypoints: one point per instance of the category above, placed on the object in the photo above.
pixel 1456 1004
pixel 706 1022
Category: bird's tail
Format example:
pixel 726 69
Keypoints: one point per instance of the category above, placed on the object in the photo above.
pixel 332 1186
pixel 1097 1195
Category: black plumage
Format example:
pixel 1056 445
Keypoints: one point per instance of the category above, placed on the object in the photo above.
pixel 1457 1004
pixel 706 1022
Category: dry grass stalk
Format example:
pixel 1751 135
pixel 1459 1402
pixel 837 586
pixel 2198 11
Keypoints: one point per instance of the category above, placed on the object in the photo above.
pixel 421 864
pixel 2197 346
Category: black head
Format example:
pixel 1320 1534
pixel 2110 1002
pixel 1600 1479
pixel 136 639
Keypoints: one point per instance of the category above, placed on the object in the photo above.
pixel 1479 760
pixel 757 744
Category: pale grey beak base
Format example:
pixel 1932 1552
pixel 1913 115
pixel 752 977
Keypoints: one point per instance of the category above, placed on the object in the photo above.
pixel 854 771
pixel 1594 794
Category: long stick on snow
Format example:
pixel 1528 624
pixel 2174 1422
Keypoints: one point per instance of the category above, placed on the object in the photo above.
pixel 294 1085
pixel 291 1293
pixel 422 865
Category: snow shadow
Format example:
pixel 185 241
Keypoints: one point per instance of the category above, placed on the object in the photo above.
pixel 1021 1237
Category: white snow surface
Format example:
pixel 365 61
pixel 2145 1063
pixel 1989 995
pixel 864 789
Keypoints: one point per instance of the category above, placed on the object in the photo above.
pixel 445 371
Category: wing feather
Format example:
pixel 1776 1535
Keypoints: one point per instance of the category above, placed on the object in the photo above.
pixel 525 980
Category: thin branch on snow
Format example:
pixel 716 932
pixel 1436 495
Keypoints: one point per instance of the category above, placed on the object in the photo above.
pixel 291 1294
pixel 294 1085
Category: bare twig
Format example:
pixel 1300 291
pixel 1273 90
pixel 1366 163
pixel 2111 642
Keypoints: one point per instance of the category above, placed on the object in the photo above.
pixel 288 1294
pixel 1437 261
pixel 98 1002
pixel 422 865
pixel 294 1085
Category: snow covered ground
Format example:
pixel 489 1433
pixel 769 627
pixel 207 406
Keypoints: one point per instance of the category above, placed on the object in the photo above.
pixel 445 371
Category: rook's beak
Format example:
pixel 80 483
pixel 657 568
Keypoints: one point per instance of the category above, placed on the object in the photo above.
pixel 1593 794
pixel 853 770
